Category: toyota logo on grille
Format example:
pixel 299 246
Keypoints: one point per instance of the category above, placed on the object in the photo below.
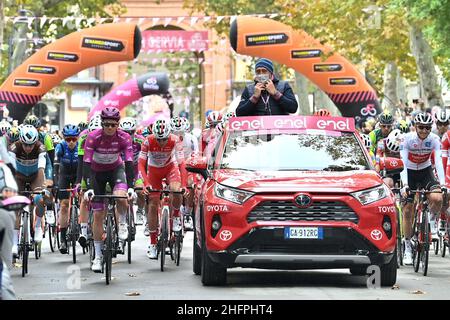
pixel 303 200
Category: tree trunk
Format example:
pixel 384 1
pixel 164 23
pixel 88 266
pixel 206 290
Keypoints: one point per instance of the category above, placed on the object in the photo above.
pixel 390 100
pixel 425 66
pixel 301 90
pixel 322 101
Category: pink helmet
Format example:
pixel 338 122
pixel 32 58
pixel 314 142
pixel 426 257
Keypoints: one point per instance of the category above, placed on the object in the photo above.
pixel 214 117
pixel 110 113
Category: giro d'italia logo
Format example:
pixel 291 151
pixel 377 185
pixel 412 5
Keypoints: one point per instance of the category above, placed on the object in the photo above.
pixel 102 44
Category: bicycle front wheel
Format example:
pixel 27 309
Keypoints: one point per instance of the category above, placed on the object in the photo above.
pixel 164 235
pixel 425 231
pixel 109 248
pixel 177 248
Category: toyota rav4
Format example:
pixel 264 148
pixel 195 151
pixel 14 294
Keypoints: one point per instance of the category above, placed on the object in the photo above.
pixel 292 192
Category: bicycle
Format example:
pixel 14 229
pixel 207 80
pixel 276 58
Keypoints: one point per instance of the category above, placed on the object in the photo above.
pixel 421 238
pixel 73 229
pixel 131 231
pixel 166 236
pixel 399 240
pixel 444 233
pixel 26 243
pixel 111 241
pixel 53 230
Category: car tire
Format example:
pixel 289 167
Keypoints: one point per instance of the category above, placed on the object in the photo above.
pixel 213 274
pixel 197 257
pixel 358 270
pixel 389 272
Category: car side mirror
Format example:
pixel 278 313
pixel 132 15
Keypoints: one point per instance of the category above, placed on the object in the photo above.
pixel 14 203
pixel 198 164
pixel 391 165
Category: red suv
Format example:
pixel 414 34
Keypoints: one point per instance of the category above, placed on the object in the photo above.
pixel 292 192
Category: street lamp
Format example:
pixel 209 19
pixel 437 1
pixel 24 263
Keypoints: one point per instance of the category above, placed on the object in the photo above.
pixel 18 40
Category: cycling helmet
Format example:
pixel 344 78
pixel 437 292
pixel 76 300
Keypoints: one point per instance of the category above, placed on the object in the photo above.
pixel 403 126
pixel 32 120
pixel 148 131
pixel 13 134
pixel 442 116
pixel 95 123
pixel 219 128
pixel 28 134
pixel 56 138
pixel 161 129
pixel 176 125
pixel 423 118
pixel 110 113
pixel 393 140
pixel 322 113
pixel 5 126
pixel 70 130
pixel 128 124
pixel 83 126
pixel 186 124
pixel 366 140
pixel 229 115
pixel 386 118
pixel 214 117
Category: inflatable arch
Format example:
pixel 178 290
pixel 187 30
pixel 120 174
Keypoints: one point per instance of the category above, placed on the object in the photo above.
pixel 132 90
pixel 63 58
pixel 334 75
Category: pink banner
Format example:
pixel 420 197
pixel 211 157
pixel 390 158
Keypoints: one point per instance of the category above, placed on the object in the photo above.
pixel 292 122
pixel 174 40
pixel 163 115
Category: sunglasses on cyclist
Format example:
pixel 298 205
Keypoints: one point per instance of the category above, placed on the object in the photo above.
pixel 110 124
pixel 131 132
pixel 28 146
pixel 428 128
pixel 71 139
pixel 162 140
pixel 386 126
pixel 442 124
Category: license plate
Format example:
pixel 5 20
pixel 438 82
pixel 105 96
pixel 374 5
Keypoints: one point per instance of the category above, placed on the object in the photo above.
pixel 303 233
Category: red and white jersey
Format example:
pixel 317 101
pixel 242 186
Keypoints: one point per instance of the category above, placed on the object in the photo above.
pixel 416 154
pixel 155 155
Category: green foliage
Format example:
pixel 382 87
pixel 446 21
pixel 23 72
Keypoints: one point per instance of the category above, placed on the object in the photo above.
pixel 55 30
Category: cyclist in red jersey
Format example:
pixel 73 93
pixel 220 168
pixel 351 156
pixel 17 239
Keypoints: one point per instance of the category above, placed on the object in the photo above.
pixel 159 154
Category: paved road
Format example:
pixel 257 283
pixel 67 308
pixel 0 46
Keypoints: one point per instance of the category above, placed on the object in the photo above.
pixel 55 277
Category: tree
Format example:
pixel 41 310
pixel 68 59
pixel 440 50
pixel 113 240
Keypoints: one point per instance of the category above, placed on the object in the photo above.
pixel 55 30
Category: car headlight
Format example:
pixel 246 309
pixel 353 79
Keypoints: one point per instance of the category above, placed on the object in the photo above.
pixel 231 194
pixel 371 195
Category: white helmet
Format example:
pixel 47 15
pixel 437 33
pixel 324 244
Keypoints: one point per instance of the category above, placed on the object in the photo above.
pixel 442 115
pixel 228 115
pixel 28 134
pixel 177 125
pixel 161 129
pixel 393 140
pixel 128 124
pixel 423 118
pixel 4 127
pixel 214 117
pixel 55 138
pixel 95 123
pixel 366 140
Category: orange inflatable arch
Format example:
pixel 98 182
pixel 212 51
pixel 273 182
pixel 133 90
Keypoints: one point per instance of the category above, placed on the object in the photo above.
pixel 63 58
pixel 335 75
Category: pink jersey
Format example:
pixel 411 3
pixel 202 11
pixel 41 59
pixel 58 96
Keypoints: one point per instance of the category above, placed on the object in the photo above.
pixel 104 152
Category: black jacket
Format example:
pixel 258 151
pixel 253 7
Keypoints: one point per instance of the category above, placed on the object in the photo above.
pixel 283 106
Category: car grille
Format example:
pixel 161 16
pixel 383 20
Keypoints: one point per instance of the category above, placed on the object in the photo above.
pixel 287 211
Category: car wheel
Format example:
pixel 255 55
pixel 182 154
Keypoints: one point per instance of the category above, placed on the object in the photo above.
pixel 389 272
pixel 197 256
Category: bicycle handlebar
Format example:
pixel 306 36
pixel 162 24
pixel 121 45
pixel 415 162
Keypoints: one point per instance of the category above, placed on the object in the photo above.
pixel 109 196
pixel 159 191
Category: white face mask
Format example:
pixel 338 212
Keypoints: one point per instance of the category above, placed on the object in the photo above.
pixel 263 78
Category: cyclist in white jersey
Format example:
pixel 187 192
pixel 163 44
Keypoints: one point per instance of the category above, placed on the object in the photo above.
pixel 415 151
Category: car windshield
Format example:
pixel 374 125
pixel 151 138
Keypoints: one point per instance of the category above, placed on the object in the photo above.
pixel 288 151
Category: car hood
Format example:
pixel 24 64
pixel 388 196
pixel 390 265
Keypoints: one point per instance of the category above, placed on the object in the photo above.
pixel 298 181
